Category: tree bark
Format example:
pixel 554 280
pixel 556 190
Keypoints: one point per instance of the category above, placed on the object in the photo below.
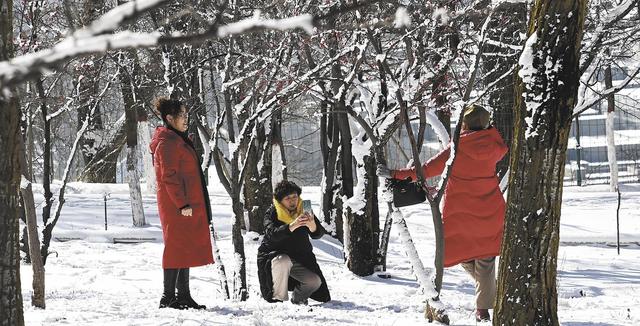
pixel 86 79
pixel 131 126
pixel 102 166
pixel 330 145
pixel 144 137
pixel 278 157
pixel 548 81
pixel 11 312
pixel 363 223
pixel 257 184
pixel 240 272
pixel 610 127
pixel 46 155
pixel 26 190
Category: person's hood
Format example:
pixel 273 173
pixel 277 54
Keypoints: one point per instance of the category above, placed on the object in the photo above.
pixel 161 133
pixel 481 144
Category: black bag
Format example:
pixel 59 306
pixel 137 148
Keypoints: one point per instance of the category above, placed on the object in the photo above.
pixel 406 192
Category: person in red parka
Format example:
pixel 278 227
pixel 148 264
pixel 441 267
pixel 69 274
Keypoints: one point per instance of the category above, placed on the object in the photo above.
pixel 473 209
pixel 183 204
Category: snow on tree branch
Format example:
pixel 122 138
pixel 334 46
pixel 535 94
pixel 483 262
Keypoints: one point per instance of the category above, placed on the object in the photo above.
pixel 591 49
pixel 304 22
pixel 119 16
pixel 586 103
pixel 86 41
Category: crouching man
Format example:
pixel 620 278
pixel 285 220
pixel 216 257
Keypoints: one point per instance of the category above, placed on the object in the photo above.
pixel 285 257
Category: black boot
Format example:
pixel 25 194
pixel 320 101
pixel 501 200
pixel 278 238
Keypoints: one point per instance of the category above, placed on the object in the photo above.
pixel 168 299
pixel 184 295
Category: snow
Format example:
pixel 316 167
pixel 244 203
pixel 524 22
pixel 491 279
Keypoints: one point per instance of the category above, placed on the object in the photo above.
pixel 494 3
pixel 402 18
pixel 438 127
pixel 360 149
pixel 442 15
pixel 94 281
pixel 115 17
pixel 527 72
pixel 24 182
pixel 304 22
pixel 166 61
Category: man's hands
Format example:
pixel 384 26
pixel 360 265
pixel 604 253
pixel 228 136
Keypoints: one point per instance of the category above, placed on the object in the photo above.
pixel 383 171
pixel 187 211
pixel 306 219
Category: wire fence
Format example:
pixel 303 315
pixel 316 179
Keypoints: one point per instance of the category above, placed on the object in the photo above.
pixel 587 154
pixel 586 163
pixel 304 159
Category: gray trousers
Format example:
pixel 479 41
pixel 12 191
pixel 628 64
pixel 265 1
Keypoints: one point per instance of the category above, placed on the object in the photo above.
pixel 483 272
pixel 282 266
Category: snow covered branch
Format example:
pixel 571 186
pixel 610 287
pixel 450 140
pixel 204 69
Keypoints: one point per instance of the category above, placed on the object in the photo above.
pixel 590 51
pixel 586 103
pixel 92 39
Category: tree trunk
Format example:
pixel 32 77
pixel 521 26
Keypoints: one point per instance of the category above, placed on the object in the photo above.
pixel 508 21
pixel 240 272
pixel 26 190
pixel 257 184
pixel 10 291
pixel 46 155
pixel 102 167
pixel 86 79
pixel 11 304
pixel 362 221
pixel 135 193
pixel 144 137
pixel 548 81
pixel 610 127
pixel 131 125
pixel 278 157
pixel 330 147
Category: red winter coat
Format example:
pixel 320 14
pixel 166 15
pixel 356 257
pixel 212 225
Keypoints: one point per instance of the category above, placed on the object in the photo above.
pixel 473 210
pixel 186 238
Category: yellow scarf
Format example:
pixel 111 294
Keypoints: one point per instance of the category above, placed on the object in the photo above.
pixel 283 213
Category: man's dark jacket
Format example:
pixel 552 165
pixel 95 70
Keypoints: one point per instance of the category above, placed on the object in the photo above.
pixel 279 240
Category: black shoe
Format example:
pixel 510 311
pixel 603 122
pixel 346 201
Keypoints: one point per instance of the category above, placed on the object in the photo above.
pixel 169 302
pixel 184 295
pixel 188 302
pixel 169 295
pixel 304 302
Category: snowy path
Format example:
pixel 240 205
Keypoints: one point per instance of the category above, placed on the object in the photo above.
pixel 95 282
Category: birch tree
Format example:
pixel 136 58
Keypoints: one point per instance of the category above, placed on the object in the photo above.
pixel 132 106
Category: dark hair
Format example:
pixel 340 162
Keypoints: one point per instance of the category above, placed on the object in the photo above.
pixel 164 105
pixel 476 117
pixel 285 188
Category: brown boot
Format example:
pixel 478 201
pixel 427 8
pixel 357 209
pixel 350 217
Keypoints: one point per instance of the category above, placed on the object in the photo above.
pixel 482 315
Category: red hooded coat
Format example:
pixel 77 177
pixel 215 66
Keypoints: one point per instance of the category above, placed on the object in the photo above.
pixel 473 210
pixel 186 238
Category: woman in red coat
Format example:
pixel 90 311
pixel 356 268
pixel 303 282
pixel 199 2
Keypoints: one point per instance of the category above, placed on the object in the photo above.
pixel 473 208
pixel 183 204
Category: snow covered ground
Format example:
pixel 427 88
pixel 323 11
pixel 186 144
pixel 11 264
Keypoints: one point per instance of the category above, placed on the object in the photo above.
pixel 92 281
